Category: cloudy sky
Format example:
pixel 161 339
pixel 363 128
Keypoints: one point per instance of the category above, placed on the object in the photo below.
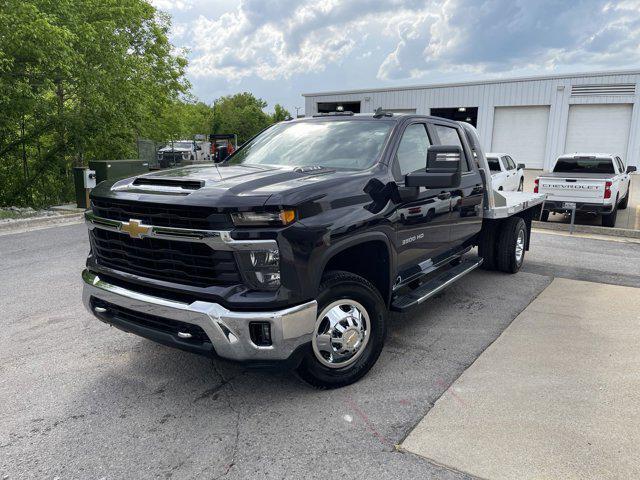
pixel 278 49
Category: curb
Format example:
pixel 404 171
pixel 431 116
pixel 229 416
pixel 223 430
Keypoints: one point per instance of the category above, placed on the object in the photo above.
pixel 612 232
pixel 26 223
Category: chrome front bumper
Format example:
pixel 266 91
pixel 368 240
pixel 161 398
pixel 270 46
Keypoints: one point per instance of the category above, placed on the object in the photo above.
pixel 227 330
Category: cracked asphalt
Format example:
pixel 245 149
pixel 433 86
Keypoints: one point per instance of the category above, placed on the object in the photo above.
pixel 83 400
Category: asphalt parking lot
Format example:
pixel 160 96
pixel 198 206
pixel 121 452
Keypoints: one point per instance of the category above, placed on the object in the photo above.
pixel 82 400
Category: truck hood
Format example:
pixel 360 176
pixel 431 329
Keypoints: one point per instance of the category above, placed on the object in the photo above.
pixel 231 186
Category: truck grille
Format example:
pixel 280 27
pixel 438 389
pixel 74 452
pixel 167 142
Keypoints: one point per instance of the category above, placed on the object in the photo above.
pixel 188 263
pixel 201 218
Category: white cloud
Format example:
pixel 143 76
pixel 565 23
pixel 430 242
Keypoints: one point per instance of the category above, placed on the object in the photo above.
pixel 172 5
pixel 259 38
pixel 503 35
pixel 278 39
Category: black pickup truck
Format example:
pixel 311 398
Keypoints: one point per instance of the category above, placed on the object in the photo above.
pixel 293 251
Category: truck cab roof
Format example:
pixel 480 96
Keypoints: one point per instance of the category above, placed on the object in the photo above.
pixel 587 155
pixel 390 117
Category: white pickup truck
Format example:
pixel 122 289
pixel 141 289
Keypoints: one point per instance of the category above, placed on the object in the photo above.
pixel 505 174
pixel 597 183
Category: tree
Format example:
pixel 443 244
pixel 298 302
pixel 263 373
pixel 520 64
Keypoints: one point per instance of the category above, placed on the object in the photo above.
pixel 184 119
pixel 241 114
pixel 79 79
pixel 280 113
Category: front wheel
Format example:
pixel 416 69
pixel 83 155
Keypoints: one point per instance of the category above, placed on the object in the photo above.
pixel 349 332
pixel 521 185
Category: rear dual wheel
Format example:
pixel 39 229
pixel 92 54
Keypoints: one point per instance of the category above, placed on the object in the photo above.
pixel 502 245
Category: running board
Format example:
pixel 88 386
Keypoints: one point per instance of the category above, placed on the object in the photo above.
pixel 432 287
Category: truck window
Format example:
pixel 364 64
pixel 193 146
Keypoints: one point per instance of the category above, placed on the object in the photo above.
pixel 338 144
pixel 449 136
pixel 494 164
pixel 510 163
pixel 620 164
pixel 412 151
pixel 584 165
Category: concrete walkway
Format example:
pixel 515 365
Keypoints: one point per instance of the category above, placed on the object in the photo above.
pixel 557 395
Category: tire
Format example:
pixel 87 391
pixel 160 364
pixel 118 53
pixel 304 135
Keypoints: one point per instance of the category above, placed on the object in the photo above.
pixel 545 216
pixel 487 246
pixel 512 240
pixel 624 203
pixel 610 219
pixel 521 185
pixel 337 287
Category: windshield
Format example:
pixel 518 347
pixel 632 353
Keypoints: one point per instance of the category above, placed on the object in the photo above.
pixel 584 165
pixel 348 144
pixel 494 165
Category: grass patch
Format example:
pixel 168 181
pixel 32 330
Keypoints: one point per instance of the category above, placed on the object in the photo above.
pixel 10 214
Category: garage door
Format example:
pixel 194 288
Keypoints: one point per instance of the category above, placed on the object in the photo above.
pixel 598 128
pixel 522 133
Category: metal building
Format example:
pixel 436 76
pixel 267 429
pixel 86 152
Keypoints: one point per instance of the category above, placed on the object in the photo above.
pixel 534 118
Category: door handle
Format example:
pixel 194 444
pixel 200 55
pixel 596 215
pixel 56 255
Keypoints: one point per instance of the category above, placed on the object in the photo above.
pixel 444 195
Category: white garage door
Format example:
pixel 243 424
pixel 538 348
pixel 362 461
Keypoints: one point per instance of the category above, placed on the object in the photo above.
pixel 598 128
pixel 522 133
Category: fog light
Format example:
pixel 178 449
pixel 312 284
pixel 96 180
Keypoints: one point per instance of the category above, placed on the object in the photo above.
pixel 268 279
pixel 260 333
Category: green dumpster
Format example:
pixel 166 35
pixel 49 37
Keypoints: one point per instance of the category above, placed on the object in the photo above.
pixel 78 184
pixel 117 169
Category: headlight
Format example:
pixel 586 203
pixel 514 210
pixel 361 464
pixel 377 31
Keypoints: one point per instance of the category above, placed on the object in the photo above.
pixel 260 268
pixel 253 219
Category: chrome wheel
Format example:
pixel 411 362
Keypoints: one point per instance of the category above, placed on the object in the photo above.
pixel 520 247
pixel 341 333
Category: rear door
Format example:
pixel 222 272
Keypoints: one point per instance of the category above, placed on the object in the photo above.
pixel 512 174
pixel 625 183
pixel 466 200
pixel 498 172
pixel 424 220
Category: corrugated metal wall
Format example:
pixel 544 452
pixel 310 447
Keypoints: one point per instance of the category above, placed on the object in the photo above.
pixel 555 92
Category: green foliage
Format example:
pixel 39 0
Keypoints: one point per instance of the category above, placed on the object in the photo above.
pixel 82 80
pixel 280 113
pixel 182 120
pixel 79 79
pixel 241 114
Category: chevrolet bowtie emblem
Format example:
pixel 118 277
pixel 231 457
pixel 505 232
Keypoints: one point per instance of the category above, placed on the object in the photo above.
pixel 135 228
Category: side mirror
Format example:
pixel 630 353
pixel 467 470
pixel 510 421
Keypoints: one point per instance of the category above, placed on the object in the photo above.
pixel 521 166
pixel 444 168
pixel 632 168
